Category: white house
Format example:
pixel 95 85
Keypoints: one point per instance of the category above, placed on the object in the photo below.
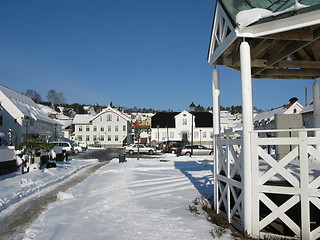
pixel 265 120
pixel 182 126
pixel 21 118
pixel 109 128
pixel 65 121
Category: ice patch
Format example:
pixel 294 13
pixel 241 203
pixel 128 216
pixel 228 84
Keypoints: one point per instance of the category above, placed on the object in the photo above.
pixel 63 196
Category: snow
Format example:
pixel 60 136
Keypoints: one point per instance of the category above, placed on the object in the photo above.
pixel 246 17
pixel 139 199
pixel 15 186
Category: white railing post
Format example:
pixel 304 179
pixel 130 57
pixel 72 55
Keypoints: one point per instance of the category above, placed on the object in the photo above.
pixel 304 186
pixel 245 65
pixel 255 185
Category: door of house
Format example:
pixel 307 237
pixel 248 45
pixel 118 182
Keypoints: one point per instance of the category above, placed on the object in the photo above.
pixel 185 136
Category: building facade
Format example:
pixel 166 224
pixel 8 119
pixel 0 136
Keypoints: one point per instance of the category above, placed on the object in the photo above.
pixel 184 126
pixel 21 119
pixel 110 128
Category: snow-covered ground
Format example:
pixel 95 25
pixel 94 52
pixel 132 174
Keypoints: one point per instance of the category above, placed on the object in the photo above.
pixel 139 199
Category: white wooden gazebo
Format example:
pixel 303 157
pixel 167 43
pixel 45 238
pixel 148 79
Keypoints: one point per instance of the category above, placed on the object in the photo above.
pixel 256 192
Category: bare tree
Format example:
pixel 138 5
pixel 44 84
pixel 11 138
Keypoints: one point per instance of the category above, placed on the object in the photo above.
pixel 34 95
pixel 55 98
pixel 51 97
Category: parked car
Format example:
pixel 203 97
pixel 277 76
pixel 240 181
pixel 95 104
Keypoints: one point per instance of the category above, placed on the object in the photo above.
pixel 143 148
pixel 167 144
pixel 77 148
pixel 66 147
pixel 83 145
pixel 195 150
pixel 174 148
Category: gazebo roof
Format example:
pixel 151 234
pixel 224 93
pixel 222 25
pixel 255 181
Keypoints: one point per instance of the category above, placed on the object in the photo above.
pixel 283 37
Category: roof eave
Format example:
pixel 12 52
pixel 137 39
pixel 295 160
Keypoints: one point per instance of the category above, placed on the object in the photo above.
pixel 281 25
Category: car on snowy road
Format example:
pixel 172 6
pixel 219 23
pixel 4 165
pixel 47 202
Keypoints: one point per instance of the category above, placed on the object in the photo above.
pixel 195 150
pixel 143 148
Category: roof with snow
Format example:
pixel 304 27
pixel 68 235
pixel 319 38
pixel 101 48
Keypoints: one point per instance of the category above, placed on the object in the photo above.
pixel 283 37
pixel 268 116
pixel 26 105
pixel 82 119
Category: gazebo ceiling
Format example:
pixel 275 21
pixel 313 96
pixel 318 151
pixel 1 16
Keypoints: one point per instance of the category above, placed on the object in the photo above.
pixel 283 46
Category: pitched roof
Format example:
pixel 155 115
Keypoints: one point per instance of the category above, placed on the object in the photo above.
pixel 114 110
pixel 233 7
pixel 82 119
pixel 166 119
pixel 26 105
pixel 277 33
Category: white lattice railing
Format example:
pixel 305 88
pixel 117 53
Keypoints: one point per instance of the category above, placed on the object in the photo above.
pixel 228 175
pixel 285 182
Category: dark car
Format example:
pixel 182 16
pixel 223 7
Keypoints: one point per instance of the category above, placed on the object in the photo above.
pixel 168 144
pixel 176 147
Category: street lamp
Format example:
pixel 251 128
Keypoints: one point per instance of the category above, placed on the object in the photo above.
pixel 192 108
pixel 200 136
pixel 55 132
pixel 27 119
pixel 158 134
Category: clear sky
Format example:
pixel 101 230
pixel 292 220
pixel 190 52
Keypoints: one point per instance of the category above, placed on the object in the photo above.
pixel 143 53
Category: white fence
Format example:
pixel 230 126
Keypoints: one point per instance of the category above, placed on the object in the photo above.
pixel 285 182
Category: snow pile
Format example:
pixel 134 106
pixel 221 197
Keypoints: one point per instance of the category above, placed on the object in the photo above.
pixel 138 199
pixel 247 17
pixel 14 187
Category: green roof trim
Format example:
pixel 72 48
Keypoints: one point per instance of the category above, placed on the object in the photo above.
pixel 233 7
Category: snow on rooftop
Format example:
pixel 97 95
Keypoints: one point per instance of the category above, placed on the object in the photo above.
pixel 246 17
pixel 82 118
pixel 25 105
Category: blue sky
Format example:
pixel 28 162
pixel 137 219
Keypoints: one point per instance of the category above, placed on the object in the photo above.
pixel 143 53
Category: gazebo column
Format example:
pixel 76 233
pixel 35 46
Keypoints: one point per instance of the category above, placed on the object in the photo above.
pixel 247 108
pixel 216 101
pixel 316 110
pixel 216 129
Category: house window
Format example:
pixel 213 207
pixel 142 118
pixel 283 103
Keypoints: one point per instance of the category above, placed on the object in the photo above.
pixel 124 128
pixel 164 134
pixel 116 128
pixel 117 118
pixel 196 134
pixel 171 135
pixel 184 121
pixel 204 135
pixel 80 128
pixel 116 138
pixel 94 128
pixel 87 138
pixel 109 117
pixel 87 128
pixel 101 129
pixel 109 138
pixel 109 128
pixel 102 138
pixel 94 138
pixel 79 137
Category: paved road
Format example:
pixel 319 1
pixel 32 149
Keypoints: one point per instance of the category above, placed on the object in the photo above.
pixel 13 226
pixel 101 154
